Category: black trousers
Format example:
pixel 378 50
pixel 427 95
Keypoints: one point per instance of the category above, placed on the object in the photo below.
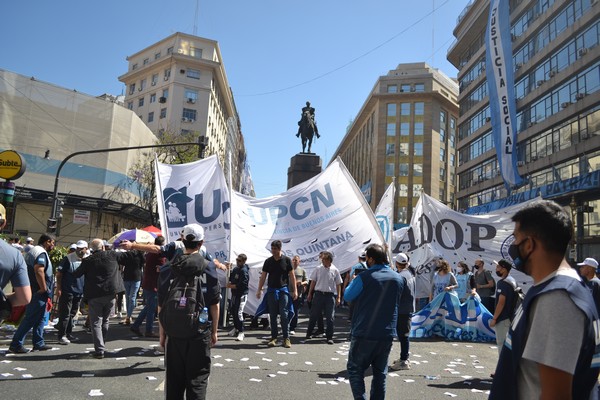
pixel 187 364
pixel 68 305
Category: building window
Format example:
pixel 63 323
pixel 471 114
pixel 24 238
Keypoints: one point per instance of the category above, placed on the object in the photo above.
pixel 142 84
pixel 170 50
pixel 389 169
pixel 195 52
pixel 130 105
pixel 418 147
pixel 419 128
pixel 443 155
pixel 165 93
pixel 391 110
pixel 157 55
pixel 150 117
pixel 163 113
pixel 152 98
pixel 442 174
pixel 419 108
pixel 191 96
pixel 167 74
pixel 403 190
pixel 405 88
pixel 404 128
pixel 418 169
pixel 141 102
pixel 419 87
pixel 403 149
pixel 403 169
pixel 390 149
pixel 391 129
pixel 154 79
pixel 392 89
pixel 188 115
pixel 193 73
pixel 134 66
pixel 146 61
pixel 132 88
pixel 404 108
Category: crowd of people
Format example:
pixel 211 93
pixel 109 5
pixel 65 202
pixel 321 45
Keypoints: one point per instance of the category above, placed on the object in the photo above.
pixel 179 278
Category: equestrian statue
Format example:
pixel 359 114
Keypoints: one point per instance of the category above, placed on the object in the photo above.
pixel 307 127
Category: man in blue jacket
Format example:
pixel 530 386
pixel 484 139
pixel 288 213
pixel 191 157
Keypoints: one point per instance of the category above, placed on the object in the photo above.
pixel 375 294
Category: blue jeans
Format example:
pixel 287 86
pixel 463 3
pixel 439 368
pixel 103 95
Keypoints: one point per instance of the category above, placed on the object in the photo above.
pixel 33 319
pixel 131 291
pixel 148 312
pixel 278 308
pixel 364 353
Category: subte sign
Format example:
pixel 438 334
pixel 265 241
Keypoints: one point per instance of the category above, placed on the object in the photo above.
pixel 12 165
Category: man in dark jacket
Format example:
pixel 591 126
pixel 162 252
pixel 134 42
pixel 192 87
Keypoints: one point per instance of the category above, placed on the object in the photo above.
pixel 238 283
pixel 102 282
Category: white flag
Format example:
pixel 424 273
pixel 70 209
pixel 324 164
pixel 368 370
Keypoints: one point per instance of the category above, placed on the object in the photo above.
pixel 384 213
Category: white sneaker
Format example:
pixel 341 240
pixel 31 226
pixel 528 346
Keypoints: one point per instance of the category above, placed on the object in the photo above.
pixel 240 336
pixel 400 365
pixel 292 333
pixel 233 332
pixel 64 340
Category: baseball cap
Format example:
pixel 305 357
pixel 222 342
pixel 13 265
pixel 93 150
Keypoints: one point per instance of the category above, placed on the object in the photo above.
pixel 194 230
pixel 589 262
pixel 401 258
pixel 363 255
pixel 73 247
pixel 81 244
pixel 503 263
pixel 29 239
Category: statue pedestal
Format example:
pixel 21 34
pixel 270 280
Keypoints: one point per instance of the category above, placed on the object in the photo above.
pixel 303 166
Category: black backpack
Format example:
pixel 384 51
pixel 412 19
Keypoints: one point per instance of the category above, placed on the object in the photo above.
pixel 180 311
pixel 518 298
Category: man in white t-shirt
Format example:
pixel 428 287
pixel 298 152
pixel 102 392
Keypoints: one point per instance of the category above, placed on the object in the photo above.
pixel 325 293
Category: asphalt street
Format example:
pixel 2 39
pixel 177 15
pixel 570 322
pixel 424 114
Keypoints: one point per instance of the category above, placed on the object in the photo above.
pixel 247 370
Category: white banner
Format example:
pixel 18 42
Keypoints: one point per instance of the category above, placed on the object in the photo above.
pixel 325 213
pixel 195 193
pixel 384 213
pixel 437 231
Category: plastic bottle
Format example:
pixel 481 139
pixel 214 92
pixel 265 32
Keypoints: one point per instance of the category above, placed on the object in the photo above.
pixel 203 317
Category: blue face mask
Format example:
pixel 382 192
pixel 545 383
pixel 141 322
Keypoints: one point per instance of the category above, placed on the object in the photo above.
pixel 518 260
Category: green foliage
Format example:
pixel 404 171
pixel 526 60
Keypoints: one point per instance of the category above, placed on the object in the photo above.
pixel 56 256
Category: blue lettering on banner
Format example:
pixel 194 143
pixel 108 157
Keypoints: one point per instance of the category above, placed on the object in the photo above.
pixel 218 207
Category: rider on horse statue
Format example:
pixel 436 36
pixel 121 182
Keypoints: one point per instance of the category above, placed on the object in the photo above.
pixel 311 112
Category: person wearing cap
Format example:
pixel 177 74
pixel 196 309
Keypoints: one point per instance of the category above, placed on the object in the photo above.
pixel 69 291
pixel 13 269
pixel 588 269
pixel 187 361
pixel 102 282
pixel 551 346
pixel 406 308
pixel 41 278
pixel 28 244
pixel 375 295
pixel 505 301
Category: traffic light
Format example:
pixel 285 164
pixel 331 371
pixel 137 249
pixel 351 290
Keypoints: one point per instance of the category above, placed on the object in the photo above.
pixel 52 225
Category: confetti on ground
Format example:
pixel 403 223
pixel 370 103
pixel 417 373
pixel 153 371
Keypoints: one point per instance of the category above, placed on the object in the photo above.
pixel 95 392
pixel 255 380
pixel 334 358
pixel 151 378
pixel 6 361
pixel 253 367
pixel 479 366
pixel 333 382
pixel 117 350
pixel 282 372
pixel 272 375
pixel 432 352
pixel 450 394
pixel 267 359
pixel 217 364
pixel 466 376
pixel 216 356
pixel 468 345
pixel 409 380
pixel 476 391
pixel 292 352
pixel 20 369
pixel 308 362
pixel 7 374
pixel 283 364
pixel 281 352
pixel 244 359
pixel 321 383
pixel 393 374
pixel 260 352
pixel 416 355
pixel 122 358
pixel 229 360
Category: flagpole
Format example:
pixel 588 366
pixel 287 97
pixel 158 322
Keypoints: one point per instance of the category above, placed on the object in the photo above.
pixel 230 256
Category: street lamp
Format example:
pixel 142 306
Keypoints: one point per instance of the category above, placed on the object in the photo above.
pixel 52 223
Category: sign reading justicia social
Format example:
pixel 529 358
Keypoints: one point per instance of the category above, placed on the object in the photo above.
pixel 501 89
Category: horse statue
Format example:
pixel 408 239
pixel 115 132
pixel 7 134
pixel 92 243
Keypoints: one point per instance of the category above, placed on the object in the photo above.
pixel 307 129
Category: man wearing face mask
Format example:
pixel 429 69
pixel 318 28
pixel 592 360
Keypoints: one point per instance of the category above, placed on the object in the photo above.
pixel 485 285
pixel 505 300
pixel 70 291
pixel 551 344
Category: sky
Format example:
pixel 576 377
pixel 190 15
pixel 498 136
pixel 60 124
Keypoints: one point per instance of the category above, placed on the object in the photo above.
pixel 277 55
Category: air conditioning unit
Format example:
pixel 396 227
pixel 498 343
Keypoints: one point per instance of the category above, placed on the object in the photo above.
pixel 139 89
pixel 166 78
pixel 520 163
pixel 488 119
pixel 184 119
pixel 552 73
pixel 191 101
pixel 518 66
pixel 582 52
pixel 565 104
pixel 540 83
pixel 191 120
pixel 153 83
pixel 580 96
